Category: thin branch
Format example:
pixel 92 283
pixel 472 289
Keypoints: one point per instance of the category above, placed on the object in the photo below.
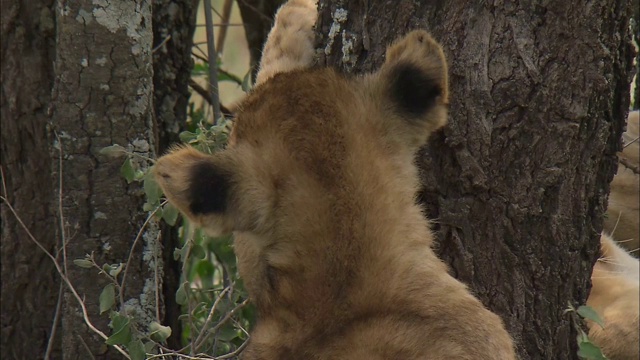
pixel 213 64
pixel 60 211
pixel 204 54
pixel 630 142
pixel 221 24
pixel 229 315
pixel 200 337
pixel 54 326
pixel 226 14
pixel 256 10
pixel 161 44
pixel 135 242
pixel 86 347
pixel 59 269
pixel 205 95
pixel 630 166
pixel 200 57
pixel 155 270
pixel 234 353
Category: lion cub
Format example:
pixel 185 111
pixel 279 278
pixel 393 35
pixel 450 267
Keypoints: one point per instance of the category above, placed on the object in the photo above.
pixel 318 186
pixel 615 295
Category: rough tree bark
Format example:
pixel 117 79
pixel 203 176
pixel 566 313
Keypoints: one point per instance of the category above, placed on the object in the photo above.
pixel 102 96
pixel 518 179
pixel 30 285
pixel 174 22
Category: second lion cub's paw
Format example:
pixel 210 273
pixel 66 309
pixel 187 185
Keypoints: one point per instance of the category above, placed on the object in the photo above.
pixel 290 43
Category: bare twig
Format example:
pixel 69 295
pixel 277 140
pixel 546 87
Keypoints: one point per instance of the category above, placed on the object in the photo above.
pixel 205 95
pixel 226 14
pixel 56 316
pixel 59 269
pixel 234 353
pixel 630 142
pixel 54 326
pixel 630 166
pixel 213 63
pixel 161 44
pixel 155 270
pixel 60 212
pixel 135 242
pixel 170 355
pixel 86 347
pixel 229 315
pixel 200 338
pixel 221 24
pixel 256 10
pixel 203 56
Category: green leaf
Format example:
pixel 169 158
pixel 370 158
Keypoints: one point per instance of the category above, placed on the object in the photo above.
pixel 200 69
pixel 150 347
pixel 139 174
pixel 589 313
pixel 246 82
pixel 121 330
pixel 170 214
pixel 205 270
pixel 148 207
pixel 227 76
pixel 127 171
pixel 181 294
pixel 158 332
pixel 187 136
pixel 587 350
pixel 113 151
pixel 83 263
pixel 136 350
pixel 151 188
pixel 107 298
pixel 228 333
pixel 115 269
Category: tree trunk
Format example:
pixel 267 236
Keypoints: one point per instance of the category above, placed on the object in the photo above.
pixel 174 22
pixel 30 284
pixel 517 181
pixel 103 96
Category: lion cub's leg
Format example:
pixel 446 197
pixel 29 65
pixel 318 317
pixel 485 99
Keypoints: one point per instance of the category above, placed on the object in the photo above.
pixel 290 42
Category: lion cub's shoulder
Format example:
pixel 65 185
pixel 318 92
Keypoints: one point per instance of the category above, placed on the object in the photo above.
pixel 615 296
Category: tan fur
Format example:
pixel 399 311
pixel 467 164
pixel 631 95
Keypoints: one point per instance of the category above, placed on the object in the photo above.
pixel 290 42
pixel 623 213
pixel 615 295
pixel 332 248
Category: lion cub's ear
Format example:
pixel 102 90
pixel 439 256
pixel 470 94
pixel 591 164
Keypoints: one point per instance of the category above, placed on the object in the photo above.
pixel 413 85
pixel 199 185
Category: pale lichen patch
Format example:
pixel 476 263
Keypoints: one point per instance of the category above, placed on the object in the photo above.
pixel 102 60
pixel 348 58
pixel 115 15
pixel 339 16
pixel 84 17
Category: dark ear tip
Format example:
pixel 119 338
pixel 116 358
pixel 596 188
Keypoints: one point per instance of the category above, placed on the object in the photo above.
pixel 208 188
pixel 413 90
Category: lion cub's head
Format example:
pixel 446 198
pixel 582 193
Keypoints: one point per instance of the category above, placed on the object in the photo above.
pixel 312 146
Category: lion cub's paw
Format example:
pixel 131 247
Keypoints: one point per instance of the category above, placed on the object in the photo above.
pixel 290 42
